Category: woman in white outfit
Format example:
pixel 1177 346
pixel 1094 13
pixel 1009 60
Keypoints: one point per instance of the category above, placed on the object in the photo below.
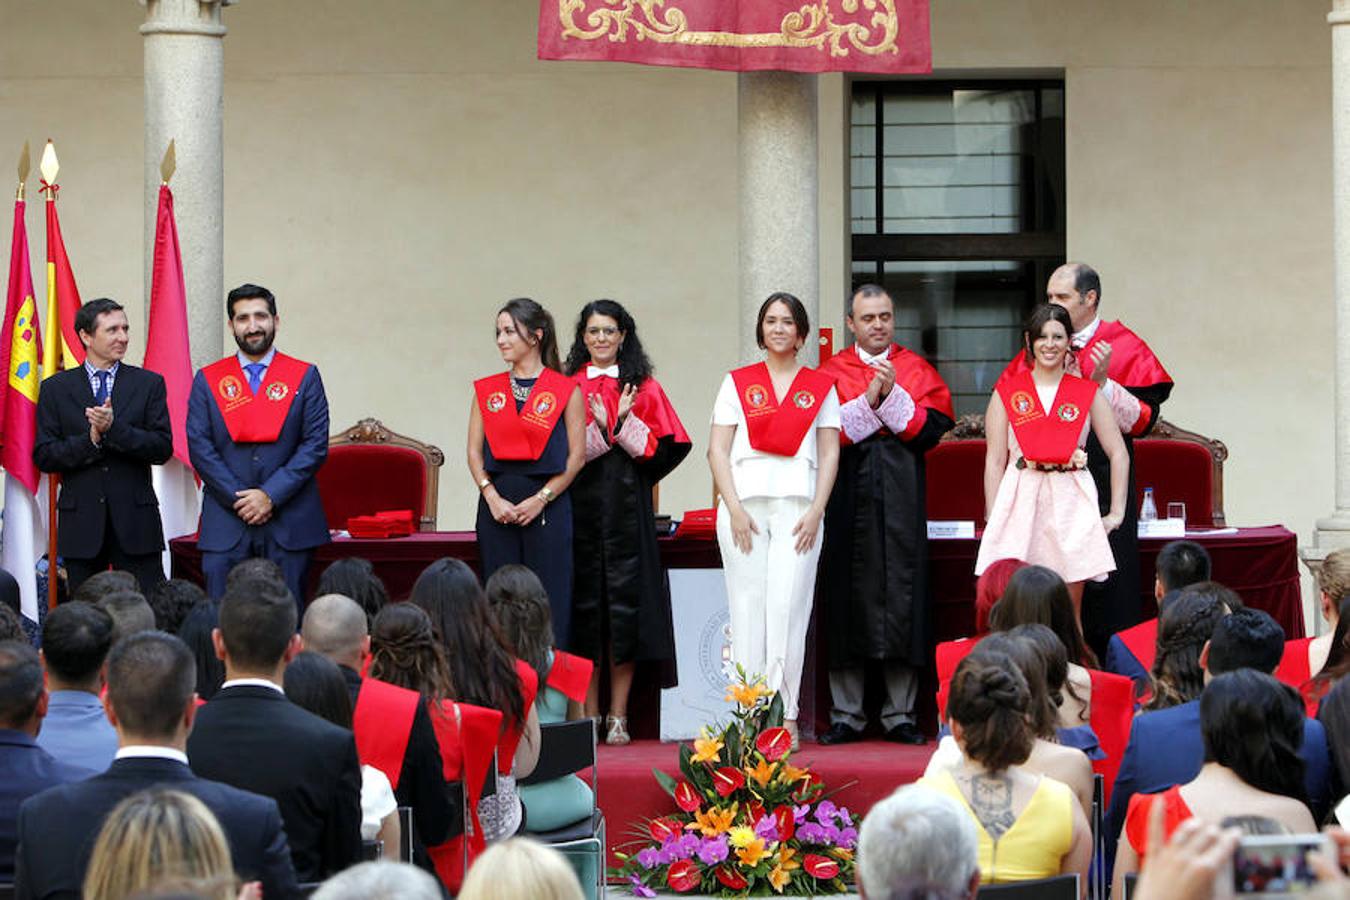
pixel 774 452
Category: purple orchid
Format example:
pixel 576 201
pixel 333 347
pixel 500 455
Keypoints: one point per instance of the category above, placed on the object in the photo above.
pixel 648 857
pixel 713 850
pixel 640 889
pixel 799 813
pixel 825 812
pixel 811 833
pixel 767 829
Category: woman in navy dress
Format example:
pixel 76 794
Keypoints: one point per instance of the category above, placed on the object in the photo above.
pixel 527 441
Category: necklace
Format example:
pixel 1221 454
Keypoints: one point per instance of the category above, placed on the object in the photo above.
pixel 520 391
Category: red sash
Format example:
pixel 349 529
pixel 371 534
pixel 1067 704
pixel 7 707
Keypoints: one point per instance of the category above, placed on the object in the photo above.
pixel 382 723
pixel 948 656
pixel 570 675
pixel 466 753
pixel 510 737
pixel 1111 716
pixel 521 434
pixel 773 428
pixel 649 404
pixel 255 419
pixel 1296 671
pixel 1047 438
pixel 920 380
pixel 1142 641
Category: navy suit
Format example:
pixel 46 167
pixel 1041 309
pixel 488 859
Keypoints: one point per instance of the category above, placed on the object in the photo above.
pixel 1167 748
pixel 1120 661
pixel 284 469
pixel 25 769
pixel 58 828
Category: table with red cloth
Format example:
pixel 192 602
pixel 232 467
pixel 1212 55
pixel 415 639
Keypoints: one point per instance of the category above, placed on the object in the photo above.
pixel 1261 564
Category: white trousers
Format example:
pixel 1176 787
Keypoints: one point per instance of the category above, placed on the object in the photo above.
pixel 769 592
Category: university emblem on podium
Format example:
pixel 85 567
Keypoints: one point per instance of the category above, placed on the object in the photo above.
pixel 1022 403
pixel 804 399
pixel 277 391
pixel 544 403
pixel 1068 412
pixel 756 396
pixel 496 402
pixel 230 388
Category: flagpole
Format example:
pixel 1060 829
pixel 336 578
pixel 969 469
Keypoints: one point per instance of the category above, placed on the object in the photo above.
pixel 49 166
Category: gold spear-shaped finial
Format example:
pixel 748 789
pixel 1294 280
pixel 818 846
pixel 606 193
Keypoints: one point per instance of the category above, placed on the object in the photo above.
pixel 25 163
pixel 168 164
pixel 49 166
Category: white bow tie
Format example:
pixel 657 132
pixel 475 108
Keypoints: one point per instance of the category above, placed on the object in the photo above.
pixel 596 371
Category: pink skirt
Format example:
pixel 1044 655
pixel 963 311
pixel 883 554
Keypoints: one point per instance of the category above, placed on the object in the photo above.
pixel 1048 519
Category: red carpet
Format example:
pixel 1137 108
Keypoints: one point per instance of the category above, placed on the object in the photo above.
pixel 629 794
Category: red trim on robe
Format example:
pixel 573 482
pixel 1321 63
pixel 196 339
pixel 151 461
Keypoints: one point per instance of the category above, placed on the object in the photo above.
pixel 773 427
pixel 912 372
pixel 250 418
pixel 650 405
pixel 524 433
pixel 570 675
pixel 382 723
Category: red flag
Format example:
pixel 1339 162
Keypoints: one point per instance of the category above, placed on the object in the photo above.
pixel 166 343
pixel 62 348
pixel 20 340
pixel 880 36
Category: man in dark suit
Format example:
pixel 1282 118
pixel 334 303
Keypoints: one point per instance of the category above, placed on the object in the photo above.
pixel 25 768
pixel 257 432
pixel 335 627
pixel 1166 746
pixel 151 704
pixel 100 427
pixel 252 737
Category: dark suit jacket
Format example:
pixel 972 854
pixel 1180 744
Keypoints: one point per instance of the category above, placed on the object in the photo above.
pixel 256 739
pixel 58 828
pixel 284 469
pixel 113 477
pixel 1167 748
pixel 25 769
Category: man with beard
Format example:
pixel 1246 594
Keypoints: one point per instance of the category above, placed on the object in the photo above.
pixel 257 433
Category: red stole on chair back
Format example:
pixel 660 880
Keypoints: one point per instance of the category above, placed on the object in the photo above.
pixel 774 428
pixel 920 380
pixel 1111 715
pixel 1047 436
pixel 650 404
pixel 254 419
pixel 570 675
pixel 467 736
pixel 948 656
pixel 521 434
pixel 382 723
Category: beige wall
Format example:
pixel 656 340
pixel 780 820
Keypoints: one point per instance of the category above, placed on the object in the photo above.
pixel 394 171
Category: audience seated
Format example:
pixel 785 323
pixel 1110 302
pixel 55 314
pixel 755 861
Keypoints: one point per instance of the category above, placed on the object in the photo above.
pixel 171 601
pixel 393 729
pixel 521 869
pixel 1065 764
pixel 1167 747
pixel 989 588
pixel 76 638
pixel 25 768
pixel 11 625
pixel 101 584
pixel 918 844
pixel 1030 827
pixel 1079 736
pixel 1307 656
pixel 1251 727
pixel 484 673
pixel 1130 652
pixel 355 578
pixel 315 683
pixel 249 735
pixel 10 600
pixel 1183 628
pixel 379 881
pixel 1334 716
pixel 130 613
pixel 203 619
pixel 165 839
pixel 151 704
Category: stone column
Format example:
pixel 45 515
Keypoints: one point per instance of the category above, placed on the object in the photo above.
pixel 779 180
pixel 184 102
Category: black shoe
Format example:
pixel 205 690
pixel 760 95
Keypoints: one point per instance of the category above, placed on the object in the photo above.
pixel 906 733
pixel 840 733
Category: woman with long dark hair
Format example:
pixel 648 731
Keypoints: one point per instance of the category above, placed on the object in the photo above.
pixel 1253 728
pixel 1312 665
pixel 484 672
pixel 1184 625
pixel 527 442
pixel 620 593
pixel 1040 500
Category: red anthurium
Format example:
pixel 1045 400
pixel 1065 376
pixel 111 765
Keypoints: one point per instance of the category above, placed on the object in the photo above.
pixel 756 811
pixel 684 876
pixel 686 798
pixel 663 829
pixel 727 781
pixel 787 825
pixel 806 788
pixel 731 879
pixel 774 743
pixel 820 867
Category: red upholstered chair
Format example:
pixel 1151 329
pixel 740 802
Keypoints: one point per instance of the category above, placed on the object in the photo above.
pixel 955 473
pixel 371 468
pixel 1183 466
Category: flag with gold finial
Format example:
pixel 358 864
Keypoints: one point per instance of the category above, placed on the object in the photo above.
pixel 62 348
pixel 23 539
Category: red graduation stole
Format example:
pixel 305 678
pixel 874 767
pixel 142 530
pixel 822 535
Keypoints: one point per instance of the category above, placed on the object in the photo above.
pixel 466 752
pixel 1111 715
pixel 774 428
pixel 255 419
pixel 1142 641
pixel 1047 437
pixel 570 675
pixel 382 723
pixel 521 434
pixel 510 737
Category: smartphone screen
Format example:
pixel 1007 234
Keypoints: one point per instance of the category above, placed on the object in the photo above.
pixel 1276 865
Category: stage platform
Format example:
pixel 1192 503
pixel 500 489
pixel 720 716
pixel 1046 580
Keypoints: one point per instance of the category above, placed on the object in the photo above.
pixel 629 793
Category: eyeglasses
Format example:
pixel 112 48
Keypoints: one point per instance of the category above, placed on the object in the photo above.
pixel 597 331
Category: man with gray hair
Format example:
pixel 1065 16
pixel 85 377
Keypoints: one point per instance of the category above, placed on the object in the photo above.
pixel 380 881
pixel 918 844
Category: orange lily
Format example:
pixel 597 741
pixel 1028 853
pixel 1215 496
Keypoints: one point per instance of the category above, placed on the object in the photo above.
pixel 761 773
pixel 785 860
pixel 714 821
pixel 842 852
pixel 706 749
pixel 747 695
pixel 779 878
pixel 790 774
pixel 752 853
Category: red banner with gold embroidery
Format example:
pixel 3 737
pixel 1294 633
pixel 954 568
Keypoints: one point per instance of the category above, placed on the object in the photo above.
pixel 875 36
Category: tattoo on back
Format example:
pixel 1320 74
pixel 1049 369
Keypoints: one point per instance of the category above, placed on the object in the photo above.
pixel 991 799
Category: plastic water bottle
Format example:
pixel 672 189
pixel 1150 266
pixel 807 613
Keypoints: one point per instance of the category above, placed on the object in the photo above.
pixel 1148 512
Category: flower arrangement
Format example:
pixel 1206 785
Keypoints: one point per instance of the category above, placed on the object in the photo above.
pixel 749 821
